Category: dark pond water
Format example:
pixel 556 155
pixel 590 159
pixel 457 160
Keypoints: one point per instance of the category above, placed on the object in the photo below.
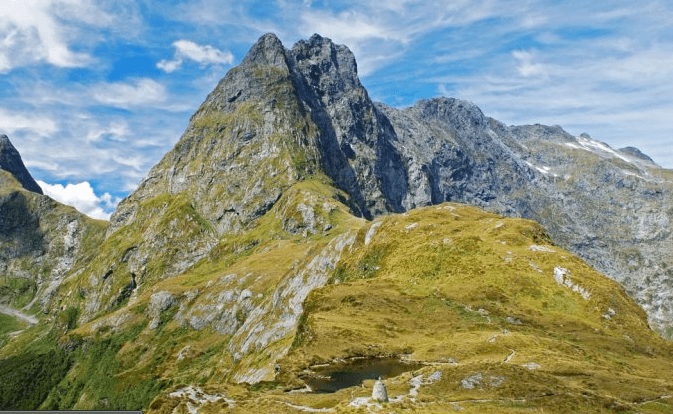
pixel 332 378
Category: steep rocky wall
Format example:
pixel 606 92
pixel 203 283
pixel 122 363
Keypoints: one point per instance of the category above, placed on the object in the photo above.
pixel 41 241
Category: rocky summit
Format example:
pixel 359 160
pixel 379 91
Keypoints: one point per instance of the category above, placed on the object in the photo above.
pixel 301 241
pixel 10 161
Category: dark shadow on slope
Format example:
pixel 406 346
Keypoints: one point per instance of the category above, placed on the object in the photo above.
pixel 390 165
pixel 333 159
pixel 20 233
pixel 325 76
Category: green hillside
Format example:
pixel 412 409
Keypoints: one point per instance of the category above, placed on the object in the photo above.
pixel 470 295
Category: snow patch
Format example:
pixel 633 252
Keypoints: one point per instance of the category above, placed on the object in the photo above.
pixel 626 172
pixel 543 169
pixel 596 147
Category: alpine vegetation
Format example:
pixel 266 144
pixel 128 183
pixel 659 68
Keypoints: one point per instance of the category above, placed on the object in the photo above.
pixel 305 249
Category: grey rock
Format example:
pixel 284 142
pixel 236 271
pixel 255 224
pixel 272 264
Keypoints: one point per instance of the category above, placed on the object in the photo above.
pixel 472 382
pixel 159 303
pixel 513 321
pixel 636 153
pixel 479 380
pixel 11 161
pixel 379 392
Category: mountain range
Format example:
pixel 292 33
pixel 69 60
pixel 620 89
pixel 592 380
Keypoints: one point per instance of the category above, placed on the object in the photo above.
pixel 297 224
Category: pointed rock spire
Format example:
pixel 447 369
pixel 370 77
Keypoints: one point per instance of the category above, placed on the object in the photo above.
pixel 268 50
pixel 10 161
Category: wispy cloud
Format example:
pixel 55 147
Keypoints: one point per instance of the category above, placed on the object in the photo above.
pixel 204 55
pixel 13 122
pixel 36 30
pixel 527 66
pixel 130 94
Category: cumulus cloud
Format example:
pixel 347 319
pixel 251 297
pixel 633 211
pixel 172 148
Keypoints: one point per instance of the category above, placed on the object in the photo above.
pixel 184 49
pixel 82 197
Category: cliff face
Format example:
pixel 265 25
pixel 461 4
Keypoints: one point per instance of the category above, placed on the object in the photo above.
pixel 10 161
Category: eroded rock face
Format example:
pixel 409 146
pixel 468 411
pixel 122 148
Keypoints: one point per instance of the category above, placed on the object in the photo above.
pixel 277 317
pixel 41 240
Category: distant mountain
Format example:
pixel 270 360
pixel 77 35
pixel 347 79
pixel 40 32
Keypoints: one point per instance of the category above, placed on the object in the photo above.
pixel 10 161
pixel 297 223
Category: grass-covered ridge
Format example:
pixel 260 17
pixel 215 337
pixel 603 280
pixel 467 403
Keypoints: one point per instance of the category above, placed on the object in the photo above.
pixel 472 294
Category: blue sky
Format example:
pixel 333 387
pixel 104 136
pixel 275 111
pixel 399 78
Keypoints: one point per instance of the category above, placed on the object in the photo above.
pixel 94 92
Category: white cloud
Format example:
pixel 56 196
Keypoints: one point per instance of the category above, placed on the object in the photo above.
pixel 527 67
pixel 124 95
pixel 349 27
pixel 32 31
pixel 12 122
pixel 184 49
pixel 116 131
pixel 82 197
pixel 169 66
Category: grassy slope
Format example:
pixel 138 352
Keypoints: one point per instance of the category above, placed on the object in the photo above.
pixel 448 283
pixel 118 362
pixel 436 283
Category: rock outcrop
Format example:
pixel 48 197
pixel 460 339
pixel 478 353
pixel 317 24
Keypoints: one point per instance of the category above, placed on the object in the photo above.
pixel 10 161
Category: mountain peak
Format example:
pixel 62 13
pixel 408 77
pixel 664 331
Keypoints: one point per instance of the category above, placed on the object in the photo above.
pixel 635 152
pixel 10 161
pixel 322 52
pixel 284 116
pixel 268 50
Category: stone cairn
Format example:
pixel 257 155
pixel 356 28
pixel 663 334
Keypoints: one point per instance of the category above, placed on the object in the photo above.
pixel 379 393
